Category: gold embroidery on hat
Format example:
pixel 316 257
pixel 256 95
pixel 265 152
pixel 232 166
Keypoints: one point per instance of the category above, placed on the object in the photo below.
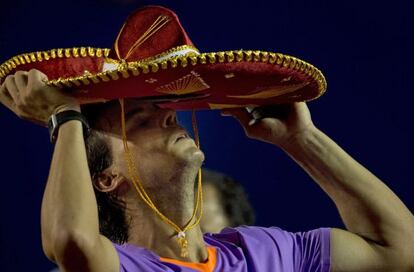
pixel 272 92
pixel 187 84
pixel 157 25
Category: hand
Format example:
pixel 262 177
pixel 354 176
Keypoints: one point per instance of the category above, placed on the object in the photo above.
pixel 28 96
pixel 280 125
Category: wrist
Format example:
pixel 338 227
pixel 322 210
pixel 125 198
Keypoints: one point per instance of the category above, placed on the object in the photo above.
pixel 67 107
pixel 299 138
pixel 64 115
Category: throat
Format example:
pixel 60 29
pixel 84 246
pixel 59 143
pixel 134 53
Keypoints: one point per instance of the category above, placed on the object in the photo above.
pixel 161 239
pixel 168 224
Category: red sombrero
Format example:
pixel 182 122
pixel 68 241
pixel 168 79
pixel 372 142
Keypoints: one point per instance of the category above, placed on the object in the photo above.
pixel 154 59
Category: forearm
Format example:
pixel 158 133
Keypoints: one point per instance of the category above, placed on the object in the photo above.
pixel 367 206
pixel 69 209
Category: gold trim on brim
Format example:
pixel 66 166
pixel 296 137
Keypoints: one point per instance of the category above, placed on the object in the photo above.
pixel 161 55
pixel 127 69
pixel 75 52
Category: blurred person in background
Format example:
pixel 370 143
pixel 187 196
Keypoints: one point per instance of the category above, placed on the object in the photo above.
pixel 225 203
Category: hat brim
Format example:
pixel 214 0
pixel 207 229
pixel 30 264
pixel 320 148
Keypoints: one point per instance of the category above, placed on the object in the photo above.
pixel 206 81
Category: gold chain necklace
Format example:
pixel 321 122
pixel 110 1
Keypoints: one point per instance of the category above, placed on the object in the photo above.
pixel 136 181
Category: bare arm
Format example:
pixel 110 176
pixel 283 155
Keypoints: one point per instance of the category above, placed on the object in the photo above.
pixel 69 216
pixel 383 225
pixel 70 228
pixel 380 234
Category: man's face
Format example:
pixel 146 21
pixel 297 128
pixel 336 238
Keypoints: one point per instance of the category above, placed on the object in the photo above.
pixel 159 146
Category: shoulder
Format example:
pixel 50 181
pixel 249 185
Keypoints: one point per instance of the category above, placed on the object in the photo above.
pixel 272 234
pixel 296 250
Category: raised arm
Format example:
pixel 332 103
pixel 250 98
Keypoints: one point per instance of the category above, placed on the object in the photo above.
pixel 69 216
pixel 380 234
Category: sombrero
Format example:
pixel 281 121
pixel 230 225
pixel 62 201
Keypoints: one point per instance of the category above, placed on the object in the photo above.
pixel 153 58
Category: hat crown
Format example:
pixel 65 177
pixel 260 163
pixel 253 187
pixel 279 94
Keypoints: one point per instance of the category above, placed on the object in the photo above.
pixel 148 32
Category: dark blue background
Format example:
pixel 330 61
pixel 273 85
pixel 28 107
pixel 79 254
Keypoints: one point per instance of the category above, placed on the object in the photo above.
pixel 363 49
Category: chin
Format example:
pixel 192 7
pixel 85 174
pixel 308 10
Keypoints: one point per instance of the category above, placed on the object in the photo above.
pixel 191 155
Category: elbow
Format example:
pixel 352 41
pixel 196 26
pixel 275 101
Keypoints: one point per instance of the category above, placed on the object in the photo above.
pixel 66 248
pixel 47 246
pixel 47 250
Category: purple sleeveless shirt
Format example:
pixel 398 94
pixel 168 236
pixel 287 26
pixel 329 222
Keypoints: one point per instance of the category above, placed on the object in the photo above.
pixel 246 249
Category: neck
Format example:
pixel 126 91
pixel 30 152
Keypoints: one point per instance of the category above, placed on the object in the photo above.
pixel 177 203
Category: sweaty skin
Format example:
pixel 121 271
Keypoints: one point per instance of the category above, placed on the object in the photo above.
pixel 379 235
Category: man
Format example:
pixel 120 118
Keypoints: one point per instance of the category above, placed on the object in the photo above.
pixel 379 235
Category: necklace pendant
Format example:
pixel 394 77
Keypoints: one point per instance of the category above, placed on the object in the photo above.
pixel 182 241
pixel 184 252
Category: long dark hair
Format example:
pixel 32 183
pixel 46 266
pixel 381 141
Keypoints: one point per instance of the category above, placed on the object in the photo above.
pixel 112 220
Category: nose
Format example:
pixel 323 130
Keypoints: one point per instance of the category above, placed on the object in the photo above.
pixel 169 118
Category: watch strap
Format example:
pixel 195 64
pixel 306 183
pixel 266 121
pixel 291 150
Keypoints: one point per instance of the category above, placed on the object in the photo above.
pixel 56 120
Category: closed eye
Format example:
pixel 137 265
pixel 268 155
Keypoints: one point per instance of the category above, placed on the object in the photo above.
pixel 143 123
pixel 133 112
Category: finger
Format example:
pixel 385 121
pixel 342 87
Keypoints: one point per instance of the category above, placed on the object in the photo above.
pixel 11 88
pixel 36 80
pixel 251 115
pixel 280 111
pixel 5 97
pixel 21 79
pixel 240 114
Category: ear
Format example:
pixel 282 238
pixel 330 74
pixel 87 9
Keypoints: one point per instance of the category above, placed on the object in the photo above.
pixel 109 180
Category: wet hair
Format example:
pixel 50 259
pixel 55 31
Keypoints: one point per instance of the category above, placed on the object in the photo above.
pixel 111 211
pixel 233 197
